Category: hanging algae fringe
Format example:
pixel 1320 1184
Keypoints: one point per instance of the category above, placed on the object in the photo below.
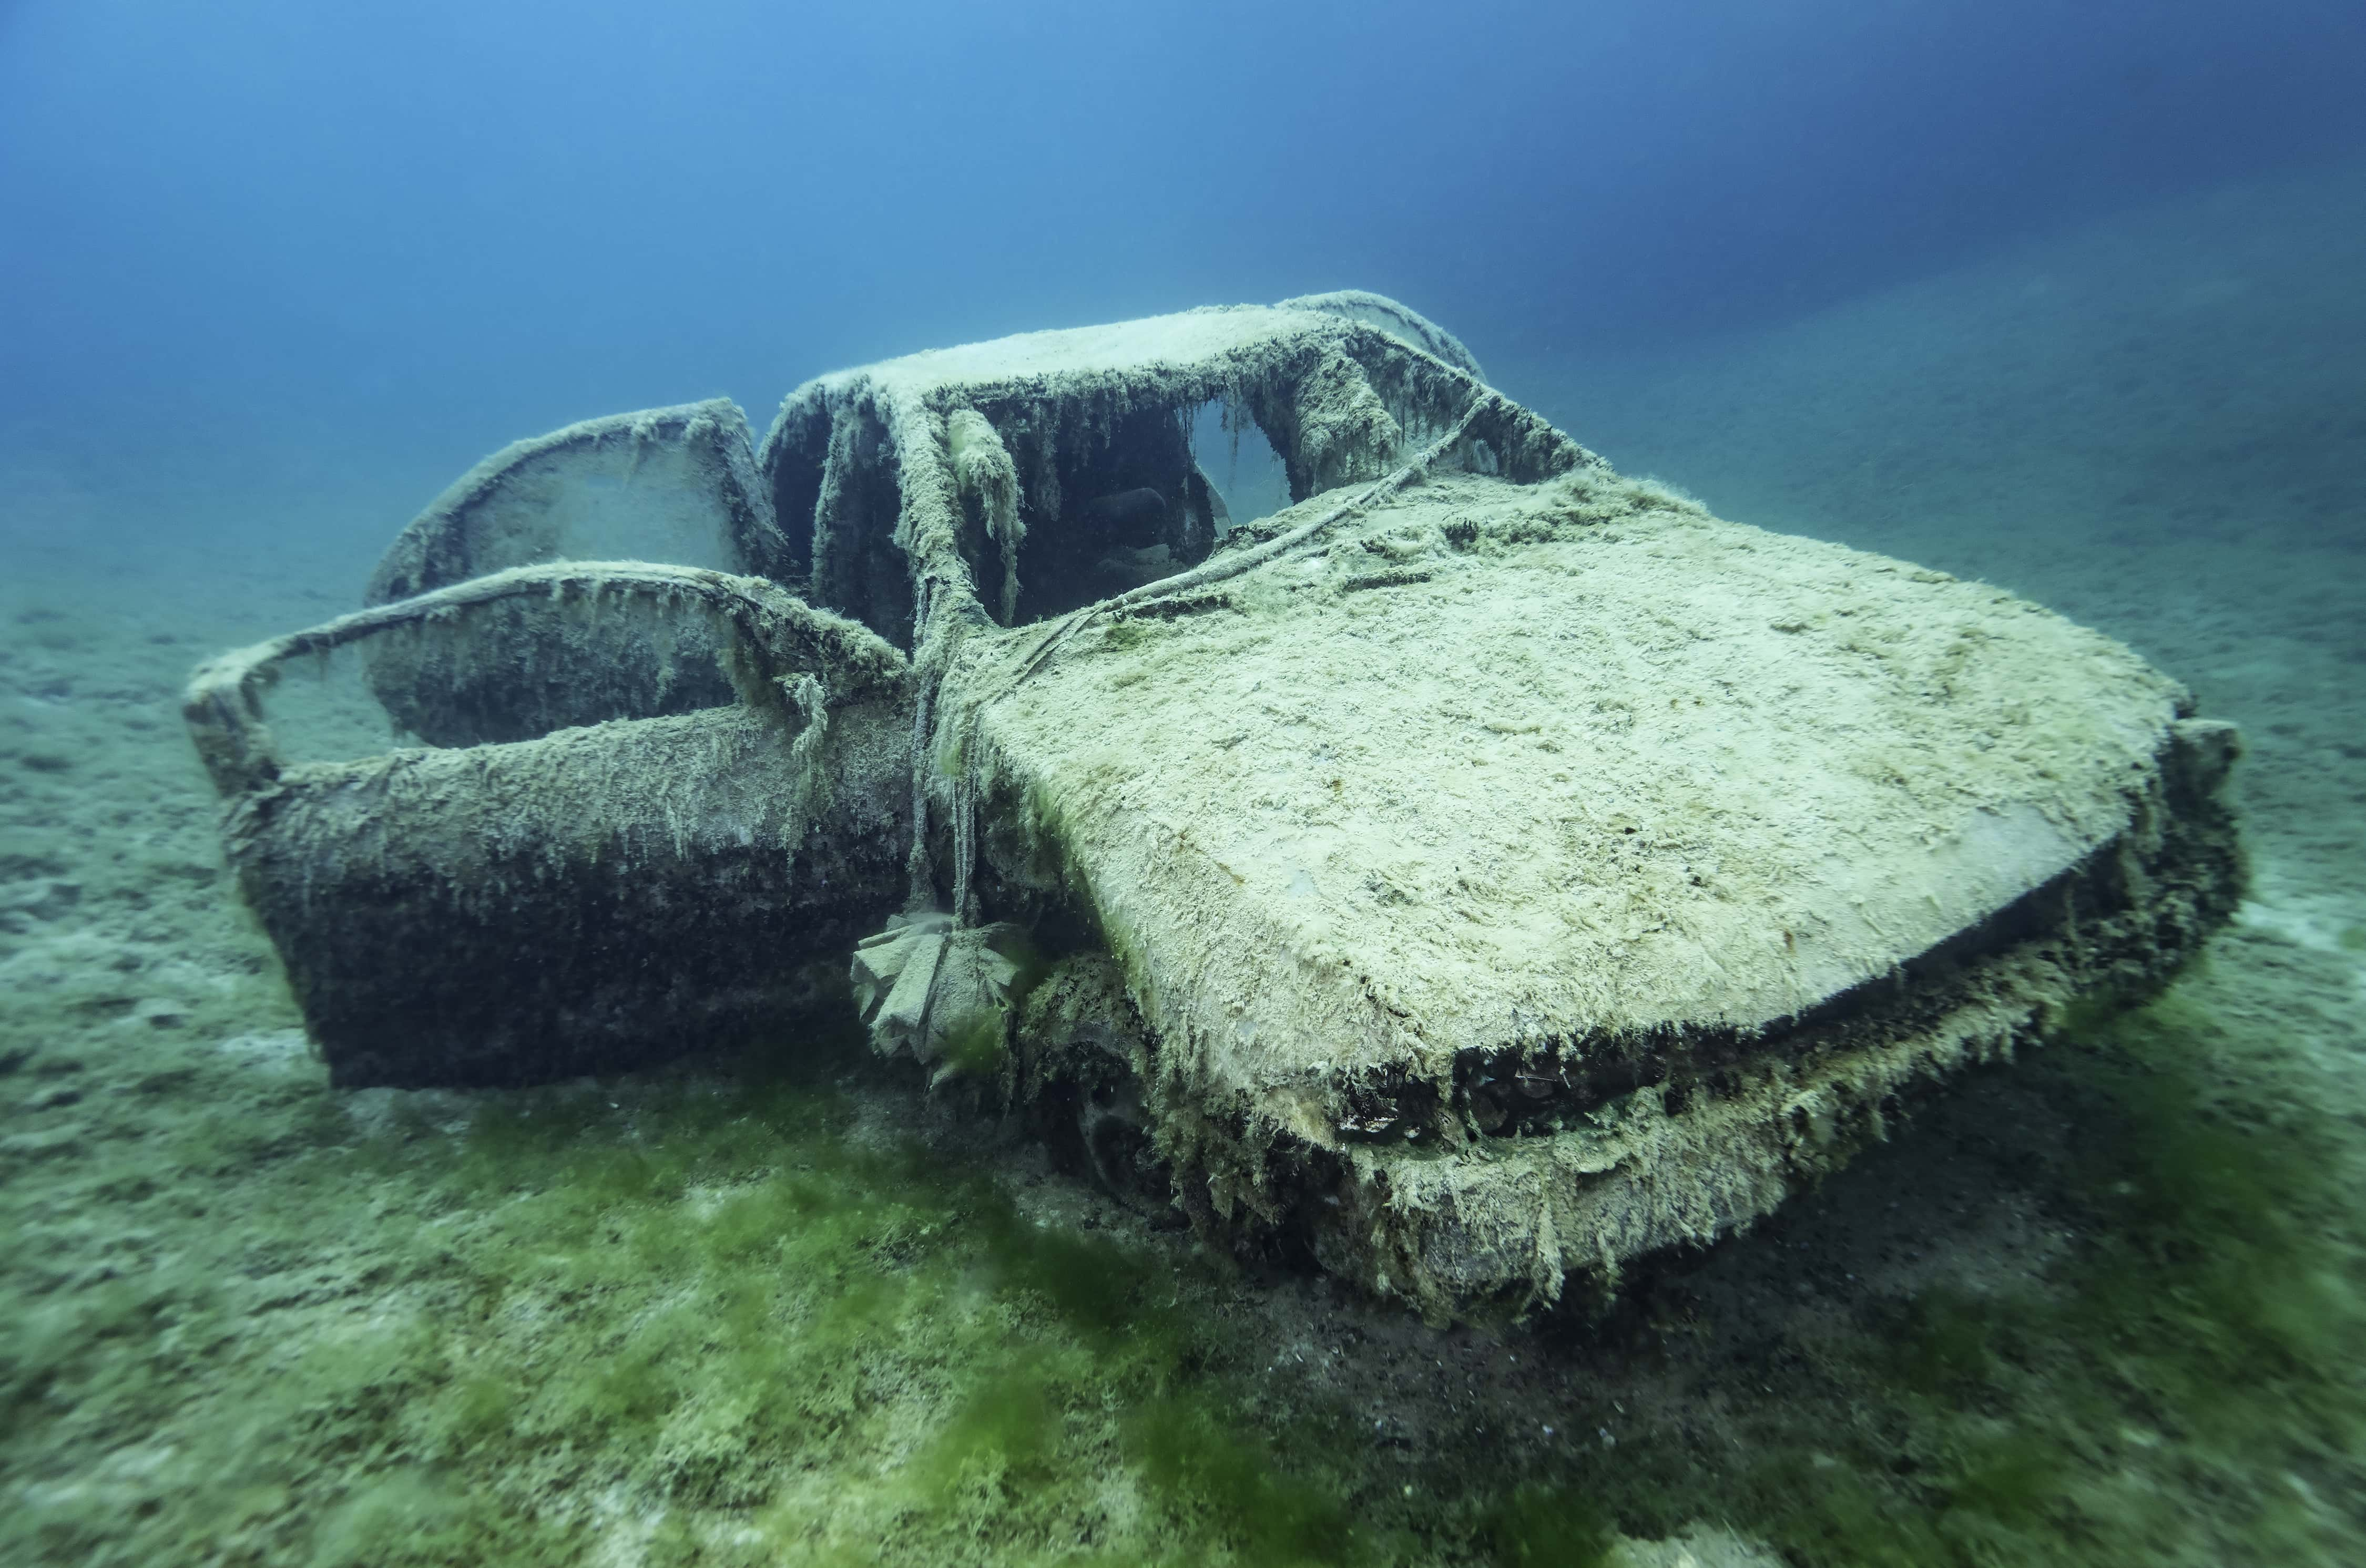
pixel 1467 1031
pixel 677 484
pixel 580 898
pixel 1484 872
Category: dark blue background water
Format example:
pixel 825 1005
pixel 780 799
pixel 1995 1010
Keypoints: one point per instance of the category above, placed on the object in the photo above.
pixel 432 226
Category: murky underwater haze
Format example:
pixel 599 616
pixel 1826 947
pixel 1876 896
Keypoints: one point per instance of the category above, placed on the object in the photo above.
pixel 2068 305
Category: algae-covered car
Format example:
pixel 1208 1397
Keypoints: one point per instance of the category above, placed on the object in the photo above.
pixel 1479 873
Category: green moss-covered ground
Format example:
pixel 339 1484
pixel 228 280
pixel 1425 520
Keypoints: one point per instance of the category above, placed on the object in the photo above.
pixel 756 1312
pixel 2099 1308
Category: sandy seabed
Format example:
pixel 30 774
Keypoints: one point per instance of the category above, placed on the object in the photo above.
pixel 2103 1306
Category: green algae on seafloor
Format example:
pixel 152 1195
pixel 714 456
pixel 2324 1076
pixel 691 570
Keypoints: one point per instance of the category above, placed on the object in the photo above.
pixel 2189 1388
pixel 708 1295
pixel 722 1319
pixel 718 1319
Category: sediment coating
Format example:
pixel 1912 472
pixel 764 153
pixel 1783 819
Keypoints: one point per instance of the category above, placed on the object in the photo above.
pixel 867 454
pixel 677 484
pixel 681 481
pixel 1731 1130
pixel 601 898
pixel 1570 788
pixel 598 897
pixel 766 634
pixel 911 484
pixel 1485 871
pixel 1391 317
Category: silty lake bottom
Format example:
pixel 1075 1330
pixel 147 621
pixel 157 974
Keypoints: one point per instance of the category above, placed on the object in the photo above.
pixel 2100 1305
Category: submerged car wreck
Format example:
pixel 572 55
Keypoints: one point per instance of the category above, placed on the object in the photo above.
pixel 1482 872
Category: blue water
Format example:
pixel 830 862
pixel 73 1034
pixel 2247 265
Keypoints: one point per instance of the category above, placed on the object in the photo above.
pixel 456 222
